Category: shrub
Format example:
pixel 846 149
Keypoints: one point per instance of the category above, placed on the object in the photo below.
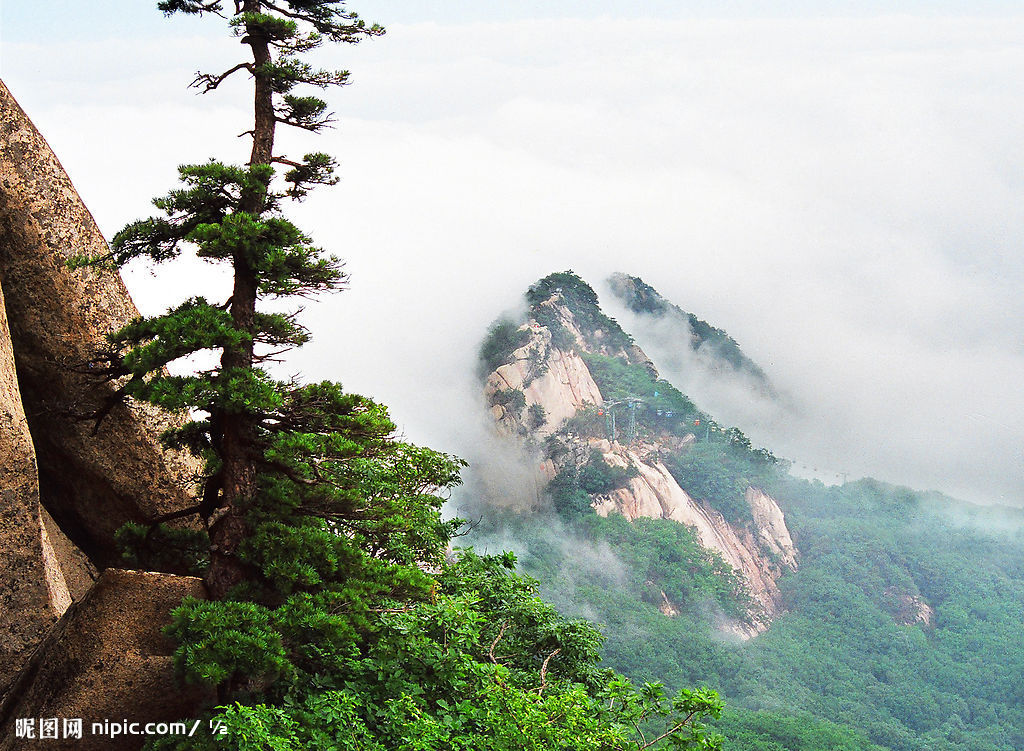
pixel 503 338
pixel 599 477
pixel 513 400
pixel 536 416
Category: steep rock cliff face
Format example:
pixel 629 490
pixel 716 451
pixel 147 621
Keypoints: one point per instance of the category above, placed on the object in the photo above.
pixel 107 659
pixel 90 483
pixel 42 571
pixel 772 532
pixel 909 609
pixel 30 607
pixel 760 554
pixel 557 378
pixel 64 490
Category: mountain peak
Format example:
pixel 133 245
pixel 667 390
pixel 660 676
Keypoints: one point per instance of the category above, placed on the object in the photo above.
pixel 610 436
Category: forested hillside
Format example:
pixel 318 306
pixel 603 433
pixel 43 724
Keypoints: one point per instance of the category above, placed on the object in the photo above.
pixel 900 628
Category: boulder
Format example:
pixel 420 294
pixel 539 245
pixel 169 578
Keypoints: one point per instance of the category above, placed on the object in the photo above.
pixel 106 659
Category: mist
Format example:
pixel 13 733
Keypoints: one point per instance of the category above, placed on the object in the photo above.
pixel 843 196
pixel 874 431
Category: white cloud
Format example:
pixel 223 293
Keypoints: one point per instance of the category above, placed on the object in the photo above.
pixel 843 196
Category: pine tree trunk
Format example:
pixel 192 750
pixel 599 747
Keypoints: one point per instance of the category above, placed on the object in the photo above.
pixel 239 430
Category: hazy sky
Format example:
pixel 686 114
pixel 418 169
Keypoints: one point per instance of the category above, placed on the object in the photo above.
pixel 839 185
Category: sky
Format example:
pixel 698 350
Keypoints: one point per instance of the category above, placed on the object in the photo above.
pixel 838 185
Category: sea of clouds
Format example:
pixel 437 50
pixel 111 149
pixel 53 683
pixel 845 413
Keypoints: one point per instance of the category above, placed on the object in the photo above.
pixel 843 196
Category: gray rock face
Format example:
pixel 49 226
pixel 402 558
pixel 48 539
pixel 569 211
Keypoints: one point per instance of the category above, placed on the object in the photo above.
pixel 64 491
pixel 90 484
pixel 106 659
pixel 26 610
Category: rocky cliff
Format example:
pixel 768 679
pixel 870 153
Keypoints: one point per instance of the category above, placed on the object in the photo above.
pixel 547 395
pixel 66 486
pixel 555 380
pixel 90 481
pixel 106 659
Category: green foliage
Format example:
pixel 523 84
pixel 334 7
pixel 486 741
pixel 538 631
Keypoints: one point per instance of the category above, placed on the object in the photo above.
pixel 226 643
pixel 586 423
pixel 599 477
pixel 723 345
pixel 721 464
pixel 536 416
pixel 769 731
pixel 839 669
pixel 634 562
pixel 639 295
pixel 567 497
pixel 482 664
pixel 561 337
pixel 502 339
pixel 618 379
pixel 176 550
pixel 514 400
pixel 571 489
pixel 665 556
pixel 582 301
pixel 720 472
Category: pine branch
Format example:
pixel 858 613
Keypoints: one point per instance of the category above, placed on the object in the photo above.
pixel 287 471
pixel 313 126
pixel 209 81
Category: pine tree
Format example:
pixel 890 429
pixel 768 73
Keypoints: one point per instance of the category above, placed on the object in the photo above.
pixel 337 619
pixel 255 426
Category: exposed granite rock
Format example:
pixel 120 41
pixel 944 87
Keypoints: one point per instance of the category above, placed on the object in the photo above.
pixel 760 555
pixel 665 607
pixel 909 609
pixel 75 567
pixel 42 571
pixel 556 380
pixel 28 606
pixel 91 484
pixel 106 659
pixel 770 528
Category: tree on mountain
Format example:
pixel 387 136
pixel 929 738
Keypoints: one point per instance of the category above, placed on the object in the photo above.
pixel 309 502
pixel 258 431
pixel 336 619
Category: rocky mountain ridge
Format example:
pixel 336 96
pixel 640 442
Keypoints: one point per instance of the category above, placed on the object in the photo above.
pixel 715 349
pixel 546 396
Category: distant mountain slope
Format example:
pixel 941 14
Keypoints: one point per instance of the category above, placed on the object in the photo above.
pixel 613 437
pixel 720 349
pixel 901 623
